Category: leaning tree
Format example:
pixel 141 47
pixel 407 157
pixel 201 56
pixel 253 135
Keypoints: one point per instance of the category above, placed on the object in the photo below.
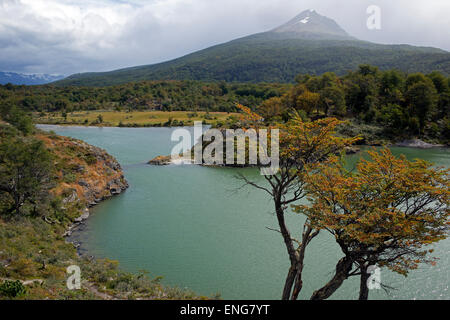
pixel 384 214
pixel 301 144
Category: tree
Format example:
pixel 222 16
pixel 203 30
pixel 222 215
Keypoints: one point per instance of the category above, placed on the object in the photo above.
pixel 385 214
pixel 291 98
pixel 421 97
pixel 271 109
pixel 99 118
pixel 393 117
pixel 332 99
pixel 443 89
pixel 366 70
pixel 308 101
pixel 300 144
pixel 16 117
pixel 391 86
pixel 25 171
pixel 362 90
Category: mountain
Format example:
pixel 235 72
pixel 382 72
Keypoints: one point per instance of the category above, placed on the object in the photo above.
pixel 27 79
pixel 311 25
pixel 310 43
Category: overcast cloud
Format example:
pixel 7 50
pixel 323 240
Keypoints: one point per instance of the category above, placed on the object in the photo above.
pixel 70 36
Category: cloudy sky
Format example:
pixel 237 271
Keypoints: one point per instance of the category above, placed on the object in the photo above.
pixel 71 36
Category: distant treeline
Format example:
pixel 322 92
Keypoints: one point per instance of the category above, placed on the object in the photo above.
pixel 148 95
pixel 402 104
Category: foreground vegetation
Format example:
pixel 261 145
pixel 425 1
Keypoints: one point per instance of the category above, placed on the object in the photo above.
pixel 384 214
pixel 46 181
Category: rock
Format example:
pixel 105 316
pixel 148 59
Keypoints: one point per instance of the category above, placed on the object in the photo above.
pixel 417 143
pixel 160 161
pixel 32 282
pixel 115 190
pixel 352 150
pixel 68 233
pixel 71 198
pixel 83 217
pixel 79 168
pixel 83 183
pixel 92 204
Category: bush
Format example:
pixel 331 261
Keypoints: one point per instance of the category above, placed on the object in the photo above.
pixel 90 159
pixel 70 178
pixel 12 289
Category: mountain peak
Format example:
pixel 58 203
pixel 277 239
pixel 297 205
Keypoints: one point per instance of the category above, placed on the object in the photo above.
pixel 27 79
pixel 311 25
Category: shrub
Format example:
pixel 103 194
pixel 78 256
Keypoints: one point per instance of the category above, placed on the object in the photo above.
pixel 12 289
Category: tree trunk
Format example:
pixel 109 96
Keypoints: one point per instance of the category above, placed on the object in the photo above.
pixel 293 258
pixel 307 237
pixel 343 268
pixel 289 283
pixel 294 283
pixel 363 288
pixel 298 282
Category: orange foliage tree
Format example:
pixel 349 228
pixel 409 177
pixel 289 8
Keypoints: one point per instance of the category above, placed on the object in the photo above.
pixel 384 214
pixel 272 109
pixel 308 101
pixel 300 145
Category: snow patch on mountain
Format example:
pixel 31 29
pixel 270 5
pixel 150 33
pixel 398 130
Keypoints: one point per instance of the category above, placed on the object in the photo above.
pixel 305 20
pixel 28 79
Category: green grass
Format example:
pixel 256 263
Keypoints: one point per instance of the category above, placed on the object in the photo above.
pixel 136 118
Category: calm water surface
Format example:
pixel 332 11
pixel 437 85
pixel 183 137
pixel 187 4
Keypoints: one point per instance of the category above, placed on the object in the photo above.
pixel 190 225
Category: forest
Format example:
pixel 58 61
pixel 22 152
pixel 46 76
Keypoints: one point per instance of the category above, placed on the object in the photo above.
pixel 401 105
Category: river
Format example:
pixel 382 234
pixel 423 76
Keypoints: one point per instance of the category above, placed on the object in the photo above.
pixel 196 228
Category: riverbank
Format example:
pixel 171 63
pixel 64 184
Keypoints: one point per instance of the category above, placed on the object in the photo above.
pixel 370 135
pixel 34 251
pixel 135 119
pixel 190 225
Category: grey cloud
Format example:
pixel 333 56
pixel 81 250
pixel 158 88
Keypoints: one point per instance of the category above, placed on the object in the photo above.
pixel 69 36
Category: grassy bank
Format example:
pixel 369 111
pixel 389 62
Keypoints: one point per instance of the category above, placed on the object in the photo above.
pixel 135 118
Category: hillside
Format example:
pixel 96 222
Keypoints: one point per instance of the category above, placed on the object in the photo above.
pixel 309 43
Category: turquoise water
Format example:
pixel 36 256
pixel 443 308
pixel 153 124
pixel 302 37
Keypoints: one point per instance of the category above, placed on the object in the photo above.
pixel 193 226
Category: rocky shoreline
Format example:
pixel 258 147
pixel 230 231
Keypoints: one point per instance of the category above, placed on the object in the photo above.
pixel 167 160
pixel 94 175
pixel 417 143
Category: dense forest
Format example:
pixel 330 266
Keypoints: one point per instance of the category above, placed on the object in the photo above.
pixel 403 105
pixel 150 95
